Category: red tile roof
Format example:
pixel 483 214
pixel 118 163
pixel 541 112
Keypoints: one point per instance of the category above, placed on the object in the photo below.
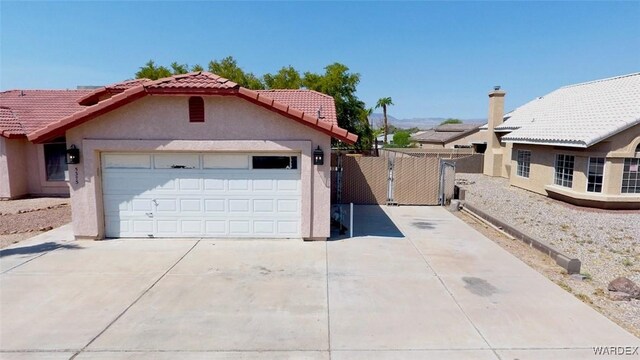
pixel 104 92
pixel 197 80
pixel 308 107
pixel 309 101
pixel 24 111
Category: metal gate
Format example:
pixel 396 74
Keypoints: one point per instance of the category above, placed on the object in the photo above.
pixel 447 181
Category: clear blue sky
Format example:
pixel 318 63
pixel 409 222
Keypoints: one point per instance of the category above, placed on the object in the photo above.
pixel 434 59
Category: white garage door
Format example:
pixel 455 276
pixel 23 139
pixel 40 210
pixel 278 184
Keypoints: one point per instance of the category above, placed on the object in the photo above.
pixel 201 195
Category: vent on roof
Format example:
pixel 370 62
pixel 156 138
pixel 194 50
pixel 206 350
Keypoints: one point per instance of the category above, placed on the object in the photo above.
pixel 196 109
pixel 320 113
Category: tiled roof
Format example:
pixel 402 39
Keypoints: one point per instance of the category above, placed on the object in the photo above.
pixel 577 115
pixel 309 101
pixel 9 124
pixel 107 91
pixel 445 133
pixel 25 111
pixel 197 80
pixel 292 105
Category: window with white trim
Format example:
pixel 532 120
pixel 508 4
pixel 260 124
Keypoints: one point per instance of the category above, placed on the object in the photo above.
pixel 55 156
pixel 631 176
pixel 524 163
pixel 564 170
pixel 595 174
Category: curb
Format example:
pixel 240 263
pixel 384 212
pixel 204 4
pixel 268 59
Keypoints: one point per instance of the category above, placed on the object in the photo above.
pixel 572 265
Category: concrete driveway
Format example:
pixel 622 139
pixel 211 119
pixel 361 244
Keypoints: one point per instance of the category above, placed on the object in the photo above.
pixel 415 283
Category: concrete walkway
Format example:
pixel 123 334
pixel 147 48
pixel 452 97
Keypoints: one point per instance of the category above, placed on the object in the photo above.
pixel 415 283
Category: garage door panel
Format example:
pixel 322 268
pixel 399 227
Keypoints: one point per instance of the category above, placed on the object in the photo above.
pixel 238 206
pixel 191 227
pixel 239 227
pixel 263 227
pixel 288 205
pixel 288 227
pixel 263 205
pixel 216 227
pixel 214 184
pixel 142 226
pixel 238 184
pixel 200 202
pixel 215 205
pixel 191 205
pixel 167 227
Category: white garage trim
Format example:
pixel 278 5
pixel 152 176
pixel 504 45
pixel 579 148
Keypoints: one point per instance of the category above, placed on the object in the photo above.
pixel 175 195
pixel 90 170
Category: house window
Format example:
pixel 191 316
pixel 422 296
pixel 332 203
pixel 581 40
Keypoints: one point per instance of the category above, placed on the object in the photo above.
pixel 564 170
pixel 631 176
pixel 55 153
pixel 196 109
pixel 524 163
pixel 595 173
pixel 275 162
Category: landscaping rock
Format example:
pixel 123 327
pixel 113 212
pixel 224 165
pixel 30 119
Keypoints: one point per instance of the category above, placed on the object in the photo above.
pixel 619 296
pixel 622 284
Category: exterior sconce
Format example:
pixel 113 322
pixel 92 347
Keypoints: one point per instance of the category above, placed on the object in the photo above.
pixel 73 155
pixel 318 156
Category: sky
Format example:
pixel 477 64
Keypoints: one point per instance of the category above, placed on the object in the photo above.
pixel 434 59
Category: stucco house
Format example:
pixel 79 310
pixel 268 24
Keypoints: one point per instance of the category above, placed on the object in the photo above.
pixel 193 155
pixel 450 136
pixel 579 143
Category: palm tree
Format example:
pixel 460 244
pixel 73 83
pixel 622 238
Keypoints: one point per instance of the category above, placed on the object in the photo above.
pixel 383 103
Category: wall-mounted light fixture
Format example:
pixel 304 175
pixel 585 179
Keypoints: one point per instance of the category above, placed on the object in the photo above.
pixel 318 156
pixel 73 155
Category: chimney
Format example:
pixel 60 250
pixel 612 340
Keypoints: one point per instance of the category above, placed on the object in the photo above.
pixel 494 153
pixel 496 108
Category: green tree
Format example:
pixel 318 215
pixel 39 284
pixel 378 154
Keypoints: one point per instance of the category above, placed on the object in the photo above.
pixel 153 72
pixel 384 103
pixel 401 139
pixel 341 84
pixel 228 68
pixel 178 69
pixel 197 67
pixel 451 121
pixel 286 78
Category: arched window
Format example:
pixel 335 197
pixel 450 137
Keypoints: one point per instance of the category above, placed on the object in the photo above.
pixel 196 109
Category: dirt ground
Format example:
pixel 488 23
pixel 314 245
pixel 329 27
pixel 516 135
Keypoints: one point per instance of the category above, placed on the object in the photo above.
pixel 585 290
pixel 24 218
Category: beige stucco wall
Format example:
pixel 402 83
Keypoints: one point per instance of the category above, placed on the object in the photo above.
pixel 22 171
pixel 541 176
pixel 13 169
pixel 5 190
pixel 160 123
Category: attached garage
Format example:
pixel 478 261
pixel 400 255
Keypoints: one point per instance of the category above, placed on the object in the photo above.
pixel 201 195
pixel 198 156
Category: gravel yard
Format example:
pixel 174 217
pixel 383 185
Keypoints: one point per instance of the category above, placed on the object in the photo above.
pixel 607 242
pixel 24 218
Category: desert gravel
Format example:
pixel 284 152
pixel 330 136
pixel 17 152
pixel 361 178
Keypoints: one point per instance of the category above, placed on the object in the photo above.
pixel 24 218
pixel 607 242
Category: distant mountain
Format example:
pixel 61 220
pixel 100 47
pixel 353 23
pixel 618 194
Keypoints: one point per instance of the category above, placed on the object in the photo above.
pixel 421 123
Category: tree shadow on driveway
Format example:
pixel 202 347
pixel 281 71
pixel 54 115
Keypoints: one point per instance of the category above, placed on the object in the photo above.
pixel 37 249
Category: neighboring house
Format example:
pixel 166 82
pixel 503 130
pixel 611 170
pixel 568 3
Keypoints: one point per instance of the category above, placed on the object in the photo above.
pixel 193 155
pixel 580 143
pixel 452 136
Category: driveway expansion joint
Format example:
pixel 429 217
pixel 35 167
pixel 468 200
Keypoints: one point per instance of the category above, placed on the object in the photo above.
pixel 135 301
pixel 448 290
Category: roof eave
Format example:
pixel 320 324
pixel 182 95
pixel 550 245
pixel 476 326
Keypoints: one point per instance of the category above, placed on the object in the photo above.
pixel 58 128
pixel 612 133
pixel 576 144
pixel 300 116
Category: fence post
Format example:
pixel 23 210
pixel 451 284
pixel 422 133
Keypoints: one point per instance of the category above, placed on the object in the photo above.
pixel 351 221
